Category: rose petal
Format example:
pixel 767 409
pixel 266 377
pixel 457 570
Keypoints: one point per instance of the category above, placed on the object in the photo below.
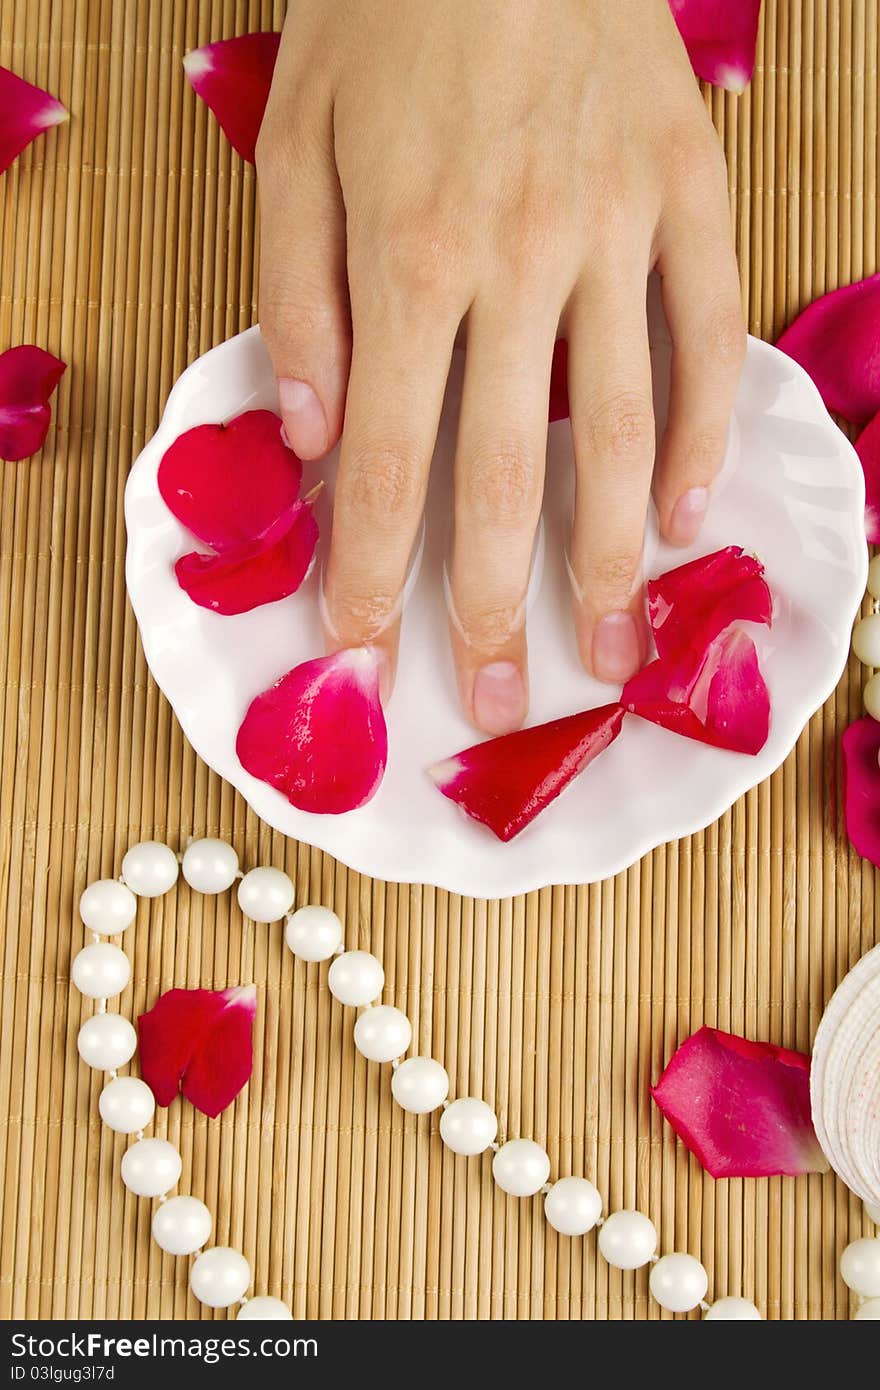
pixel 28 376
pixel 868 450
pixel 720 37
pixel 233 77
pixel 720 700
pixel 25 112
pixel 222 1064
pixel 229 484
pixel 837 340
pixel 235 581
pixel 318 734
pixel 861 782
pixel 692 605
pixel 198 1042
pixel 559 382
pixel 742 1107
pixel 506 782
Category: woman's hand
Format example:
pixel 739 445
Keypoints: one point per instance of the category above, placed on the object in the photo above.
pixel 521 164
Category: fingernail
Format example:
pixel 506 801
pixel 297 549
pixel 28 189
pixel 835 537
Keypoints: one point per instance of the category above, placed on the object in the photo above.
pixel 499 698
pixel 687 515
pixel 616 649
pixel 304 420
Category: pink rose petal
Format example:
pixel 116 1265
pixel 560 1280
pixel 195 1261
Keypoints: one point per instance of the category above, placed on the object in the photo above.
pixel 235 581
pixel 559 382
pixel 25 112
pixel 720 37
pixel 230 484
pixel 233 77
pixel 861 780
pixel 868 450
pixel 692 605
pixel 720 700
pixel 198 1042
pixel 837 340
pixel 28 376
pixel 506 782
pixel 743 1108
pixel 318 734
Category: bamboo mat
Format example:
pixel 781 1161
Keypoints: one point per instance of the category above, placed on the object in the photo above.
pixel 128 247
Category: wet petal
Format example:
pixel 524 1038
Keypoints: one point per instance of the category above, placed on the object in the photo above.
pixel 318 734
pixel 720 37
pixel 692 605
pixel 28 376
pixel 861 747
pixel 25 112
pixel 868 450
pixel 235 581
pixel 506 782
pixel 198 1042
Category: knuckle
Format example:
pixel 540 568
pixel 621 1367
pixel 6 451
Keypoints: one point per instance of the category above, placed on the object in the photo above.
pixel 502 485
pixel 423 248
pixel 382 483
pixel 612 573
pixel 622 428
pixel 699 455
pixel 360 610
pixel 487 626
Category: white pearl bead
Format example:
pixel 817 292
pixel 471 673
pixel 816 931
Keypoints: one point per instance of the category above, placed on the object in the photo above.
pixel 869 1311
pixel 733 1310
pixel 521 1167
pixel 871 697
pixel 866 640
pixel 573 1206
pixel 220 1276
pixel 182 1225
pixel 420 1085
pixel 106 1041
pixel 383 1033
pixel 265 895
pixel 874 577
pixel 873 1208
pixel 356 978
pixel 264 1309
pixel 313 932
pixel 678 1282
pixel 628 1239
pixel 860 1267
pixel 151 1167
pixel 150 868
pixel 101 970
pixel 107 907
pixel 209 866
pixel 126 1104
pixel 468 1126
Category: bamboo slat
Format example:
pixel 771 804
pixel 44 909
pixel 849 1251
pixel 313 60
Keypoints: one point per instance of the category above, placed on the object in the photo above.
pixel 127 246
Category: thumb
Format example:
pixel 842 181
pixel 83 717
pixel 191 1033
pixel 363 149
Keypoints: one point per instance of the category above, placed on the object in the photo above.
pixel 304 313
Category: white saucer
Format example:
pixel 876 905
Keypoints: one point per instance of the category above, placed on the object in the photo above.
pixel 792 492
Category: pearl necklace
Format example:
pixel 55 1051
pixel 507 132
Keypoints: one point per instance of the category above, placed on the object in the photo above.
pixel 221 1276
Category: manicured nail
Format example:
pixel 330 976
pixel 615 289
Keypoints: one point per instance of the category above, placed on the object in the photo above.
pixel 687 515
pixel 304 420
pixel 616 649
pixel 499 698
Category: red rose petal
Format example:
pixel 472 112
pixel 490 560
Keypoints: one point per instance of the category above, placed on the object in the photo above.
pixel 742 1107
pixel 198 1042
pixel 837 340
pixel 318 734
pixel 221 1065
pixel 25 112
pixel 692 605
pixel 720 37
pixel 235 581
pixel 233 77
pixel 559 382
pixel 506 782
pixel 229 484
pixel 721 700
pixel 861 780
pixel 28 376
pixel 868 450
